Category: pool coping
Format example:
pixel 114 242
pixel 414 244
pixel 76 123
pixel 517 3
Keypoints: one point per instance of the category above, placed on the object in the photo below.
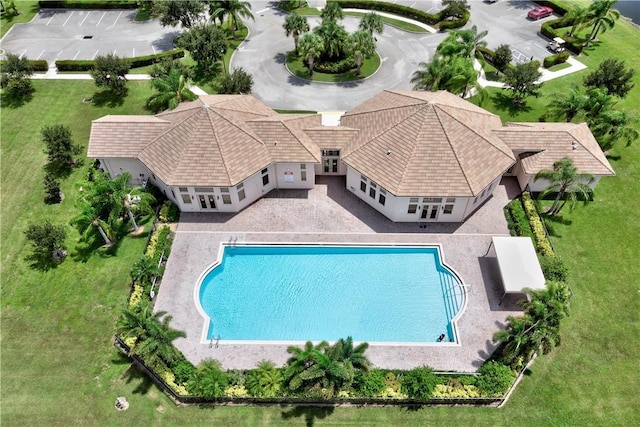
pixel 231 244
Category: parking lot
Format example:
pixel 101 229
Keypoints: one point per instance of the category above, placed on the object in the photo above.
pixel 507 23
pixel 83 34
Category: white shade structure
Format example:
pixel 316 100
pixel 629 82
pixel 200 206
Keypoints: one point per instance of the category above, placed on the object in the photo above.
pixel 518 264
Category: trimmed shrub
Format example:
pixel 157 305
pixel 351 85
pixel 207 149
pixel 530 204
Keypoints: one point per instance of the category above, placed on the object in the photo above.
pixel 236 391
pixel 494 379
pixel 558 58
pixel 136 295
pixel 517 219
pixel 554 268
pixel 556 6
pixel 543 247
pixel 396 9
pixel 419 383
pixel 465 391
pixel 183 370
pixel 486 53
pixel 158 244
pixel 337 67
pixel 548 29
pixel 369 384
pixel 36 64
pixel 138 61
pixel 455 23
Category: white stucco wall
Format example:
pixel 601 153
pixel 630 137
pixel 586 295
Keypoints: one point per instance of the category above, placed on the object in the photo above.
pixel 290 175
pixel 117 166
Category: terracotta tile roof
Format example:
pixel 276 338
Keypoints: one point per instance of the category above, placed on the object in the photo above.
pixel 332 137
pixel 285 138
pixel 552 141
pixel 208 146
pixel 123 136
pixel 426 144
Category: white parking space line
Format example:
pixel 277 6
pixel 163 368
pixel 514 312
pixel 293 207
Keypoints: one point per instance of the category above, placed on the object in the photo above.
pixel 134 53
pixel 76 55
pixel 263 10
pixel 40 54
pixel 67 20
pixel 154 49
pixel 95 54
pixel 114 51
pixel 59 53
pixel 103 13
pixel 85 18
pixel 22 54
pixel 114 24
pixel 51 19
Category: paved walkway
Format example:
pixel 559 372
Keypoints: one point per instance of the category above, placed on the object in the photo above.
pixel 329 213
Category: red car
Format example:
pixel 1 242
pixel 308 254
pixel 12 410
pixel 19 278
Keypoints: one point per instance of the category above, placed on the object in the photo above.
pixel 540 12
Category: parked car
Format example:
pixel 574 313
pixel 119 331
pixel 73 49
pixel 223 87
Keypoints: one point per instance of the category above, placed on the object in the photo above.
pixel 540 12
pixel 556 45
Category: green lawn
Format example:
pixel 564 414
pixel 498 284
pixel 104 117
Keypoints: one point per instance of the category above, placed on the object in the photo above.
pixel 298 68
pixel 27 10
pixel 403 25
pixel 59 368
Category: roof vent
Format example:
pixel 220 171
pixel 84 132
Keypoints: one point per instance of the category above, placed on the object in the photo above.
pixel 574 144
pixel 388 152
pixel 205 106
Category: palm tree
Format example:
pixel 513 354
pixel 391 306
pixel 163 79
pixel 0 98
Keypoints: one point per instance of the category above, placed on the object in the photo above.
pixel 295 25
pixel 430 76
pixel 172 90
pixel 88 220
pixel 462 42
pixel 209 380
pixel 265 381
pixel 517 346
pixel 343 351
pixel 602 16
pixel 144 270
pixel 566 181
pixel 331 13
pixel 361 46
pixel 126 199
pixel 372 23
pixel 237 9
pixel 334 38
pixel 578 15
pixel 614 125
pixel 569 105
pixel 311 48
pixel 298 365
pixel 155 337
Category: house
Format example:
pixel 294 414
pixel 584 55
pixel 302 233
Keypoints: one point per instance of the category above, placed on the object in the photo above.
pixel 413 156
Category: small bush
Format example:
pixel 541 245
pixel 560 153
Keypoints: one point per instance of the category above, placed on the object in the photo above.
pixel 336 67
pixel 138 61
pixel 517 219
pixel 419 383
pixel 236 391
pixel 36 64
pixel 183 370
pixel 136 295
pixel 554 268
pixel 51 190
pixel 455 23
pixel 169 212
pixel 558 58
pixel 464 391
pixel 369 384
pixel 494 379
pixel 540 236
pixel 158 244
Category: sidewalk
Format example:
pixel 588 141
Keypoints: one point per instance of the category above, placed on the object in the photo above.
pixel 546 74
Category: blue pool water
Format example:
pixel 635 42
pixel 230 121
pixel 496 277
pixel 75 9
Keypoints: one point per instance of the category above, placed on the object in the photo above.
pixel 300 293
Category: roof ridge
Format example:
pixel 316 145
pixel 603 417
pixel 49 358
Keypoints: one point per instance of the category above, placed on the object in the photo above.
pixel 208 112
pixel 303 143
pixel 579 141
pixel 414 145
pixel 455 153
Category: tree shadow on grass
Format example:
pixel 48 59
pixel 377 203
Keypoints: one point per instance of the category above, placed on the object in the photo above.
pixel 504 102
pixel 134 374
pixel 310 413
pixel 12 101
pixel 42 262
pixel 109 98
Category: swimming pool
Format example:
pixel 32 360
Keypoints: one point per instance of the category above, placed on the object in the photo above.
pixel 293 293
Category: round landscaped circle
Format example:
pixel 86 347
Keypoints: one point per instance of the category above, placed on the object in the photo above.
pixel 296 66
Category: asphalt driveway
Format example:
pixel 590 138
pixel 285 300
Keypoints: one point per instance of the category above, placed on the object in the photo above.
pixel 83 34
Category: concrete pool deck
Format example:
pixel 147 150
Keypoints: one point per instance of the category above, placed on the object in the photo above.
pixel 328 213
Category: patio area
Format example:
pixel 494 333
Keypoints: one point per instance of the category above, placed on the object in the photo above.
pixel 328 213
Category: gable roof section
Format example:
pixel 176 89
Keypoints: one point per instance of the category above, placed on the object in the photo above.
pixel 427 144
pixel 123 136
pixel 207 145
pixel 553 141
pixel 285 139
pixel 332 137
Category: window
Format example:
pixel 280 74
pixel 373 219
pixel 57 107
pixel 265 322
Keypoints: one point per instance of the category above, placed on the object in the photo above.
pixel 265 170
pixel 186 199
pixel 183 189
pixel 382 198
pixel 226 199
pixel 413 208
pixel 451 199
pixel 204 189
pixel 372 190
pixel 224 189
pixel 265 176
pixel 303 175
pixel 432 200
pixel 476 199
pixel 330 152
pixel 240 188
pixel 303 166
pixel 363 184
pixel 413 200
pixel 448 209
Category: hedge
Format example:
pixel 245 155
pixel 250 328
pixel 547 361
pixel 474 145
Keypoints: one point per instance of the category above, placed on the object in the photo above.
pixel 557 7
pixel 548 29
pixel 96 4
pixel 455 23
pixel 36 64
pixel 543 247
pixel 138 61
pixel 396 9
pixel 558 58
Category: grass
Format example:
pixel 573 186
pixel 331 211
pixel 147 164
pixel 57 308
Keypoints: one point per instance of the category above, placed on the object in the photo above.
pixel 403 25
pixel 298 68
pixel 59 368
pixel 27 10
pixel 559 67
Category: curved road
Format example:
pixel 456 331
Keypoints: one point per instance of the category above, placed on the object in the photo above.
pixel 263 56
